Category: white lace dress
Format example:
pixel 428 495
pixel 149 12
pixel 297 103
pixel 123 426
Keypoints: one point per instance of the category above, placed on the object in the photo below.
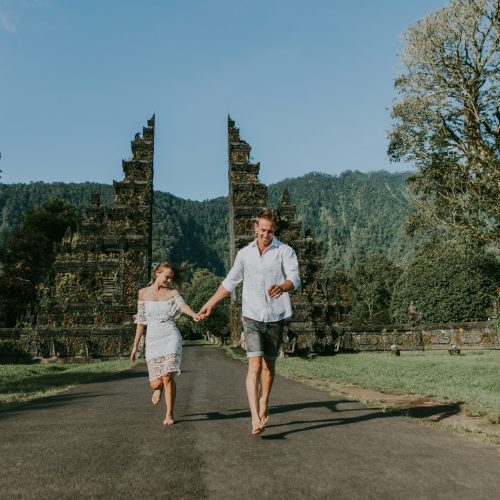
pixel 163 340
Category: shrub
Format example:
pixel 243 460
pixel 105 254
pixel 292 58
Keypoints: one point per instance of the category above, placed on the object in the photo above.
pixel 447 281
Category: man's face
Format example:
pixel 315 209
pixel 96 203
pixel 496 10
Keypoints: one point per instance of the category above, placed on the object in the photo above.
pixel 265 232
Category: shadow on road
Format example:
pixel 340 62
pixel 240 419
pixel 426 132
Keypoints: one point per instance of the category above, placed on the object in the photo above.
pixel 61 380
pixel 302 425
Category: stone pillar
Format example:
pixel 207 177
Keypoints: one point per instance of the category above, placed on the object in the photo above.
pixel 99 269
pixel 247 197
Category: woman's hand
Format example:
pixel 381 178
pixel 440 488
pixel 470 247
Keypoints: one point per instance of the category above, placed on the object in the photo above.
pixel 133 354
pixel 196 318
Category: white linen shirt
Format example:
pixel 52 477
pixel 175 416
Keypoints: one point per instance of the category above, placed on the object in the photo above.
pixel 258 272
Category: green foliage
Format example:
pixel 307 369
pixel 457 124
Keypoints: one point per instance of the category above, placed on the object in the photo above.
pixel 339 292
pixel 24 382
pixel 13 352
pixel 354 214
pixel 472 379
pixel 446 119
pixel 191 230
pixel 372 282
pixel 448 281
pixel 27 258
pixel 15 199
pixel 203 285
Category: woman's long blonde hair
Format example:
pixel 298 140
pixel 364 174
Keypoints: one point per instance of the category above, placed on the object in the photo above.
pixel 181 272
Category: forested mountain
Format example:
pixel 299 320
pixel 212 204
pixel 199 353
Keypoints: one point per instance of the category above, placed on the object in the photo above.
pixel 355 214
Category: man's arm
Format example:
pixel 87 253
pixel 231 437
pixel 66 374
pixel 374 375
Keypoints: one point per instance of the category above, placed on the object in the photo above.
pixel 220 294
pixel 291 271
pixel 233 279
pixel 275 291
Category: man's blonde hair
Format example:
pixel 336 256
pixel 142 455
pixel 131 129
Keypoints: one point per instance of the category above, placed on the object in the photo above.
pixel 267 213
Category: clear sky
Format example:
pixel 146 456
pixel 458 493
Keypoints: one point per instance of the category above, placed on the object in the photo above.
pixel 309 83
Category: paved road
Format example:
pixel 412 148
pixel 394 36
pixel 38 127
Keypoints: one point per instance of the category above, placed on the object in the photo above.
pixel 105 440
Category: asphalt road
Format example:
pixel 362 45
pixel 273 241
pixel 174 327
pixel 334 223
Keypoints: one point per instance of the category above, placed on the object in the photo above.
pixel 105 440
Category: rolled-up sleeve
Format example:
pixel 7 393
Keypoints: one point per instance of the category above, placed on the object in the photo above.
pixel 235 275
pixel 291 267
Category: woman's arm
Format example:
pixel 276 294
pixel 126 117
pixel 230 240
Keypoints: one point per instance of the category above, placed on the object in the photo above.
pixel 140 320
pixel 139 331
pixel 187 310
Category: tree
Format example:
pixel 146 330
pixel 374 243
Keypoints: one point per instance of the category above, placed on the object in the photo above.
pixel 339 293
pixel 447 281
pixel 26 261
pixel 202 286
pixel 447 119
pixel 372 282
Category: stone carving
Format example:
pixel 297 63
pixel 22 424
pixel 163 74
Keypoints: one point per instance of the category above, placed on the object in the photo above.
pixel 99 269
pixel 309 329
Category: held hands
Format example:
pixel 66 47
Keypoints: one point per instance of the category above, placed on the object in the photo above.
pixel 205 311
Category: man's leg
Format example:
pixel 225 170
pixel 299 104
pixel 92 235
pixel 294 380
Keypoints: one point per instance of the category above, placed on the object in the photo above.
pixel 253 390
pixel 267 378
pixel 272 338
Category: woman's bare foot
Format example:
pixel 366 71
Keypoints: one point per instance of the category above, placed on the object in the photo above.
pixel 155 398
pixel 263 414
pixel 168 420
pixel 257 427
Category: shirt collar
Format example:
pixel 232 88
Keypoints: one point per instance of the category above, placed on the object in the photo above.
pixel 274 243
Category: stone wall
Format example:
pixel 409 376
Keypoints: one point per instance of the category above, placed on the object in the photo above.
pixel 464 336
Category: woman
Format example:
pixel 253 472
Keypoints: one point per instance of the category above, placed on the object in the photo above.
pixel 158 307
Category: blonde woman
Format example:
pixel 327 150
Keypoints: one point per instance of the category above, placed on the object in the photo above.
pixel 158 306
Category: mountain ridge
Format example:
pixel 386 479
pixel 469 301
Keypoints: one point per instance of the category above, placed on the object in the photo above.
pixel 354 214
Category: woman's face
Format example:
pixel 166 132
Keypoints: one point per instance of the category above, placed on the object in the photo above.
pixel 164 276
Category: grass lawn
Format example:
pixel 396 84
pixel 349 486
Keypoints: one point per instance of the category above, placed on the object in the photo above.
pixel 473 378
pixel 23 382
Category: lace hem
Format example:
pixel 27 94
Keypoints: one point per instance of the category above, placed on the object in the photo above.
pixel 161 365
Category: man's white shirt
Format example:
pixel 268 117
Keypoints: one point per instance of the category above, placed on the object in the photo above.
pixel 258 272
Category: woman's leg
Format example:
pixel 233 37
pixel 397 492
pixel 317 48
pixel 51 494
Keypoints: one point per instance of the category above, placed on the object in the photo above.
pixel 170 391
pixel 157 386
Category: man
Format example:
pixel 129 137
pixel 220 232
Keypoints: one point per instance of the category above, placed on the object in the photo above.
pixel 269 270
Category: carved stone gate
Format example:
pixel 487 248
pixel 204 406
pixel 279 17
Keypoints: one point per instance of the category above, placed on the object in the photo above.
pixel 310 328
pixel 88 308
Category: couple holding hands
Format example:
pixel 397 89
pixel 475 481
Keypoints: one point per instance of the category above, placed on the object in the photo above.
pixel 268 270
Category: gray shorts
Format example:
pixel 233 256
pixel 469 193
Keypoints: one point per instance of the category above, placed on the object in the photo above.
pixel 263 339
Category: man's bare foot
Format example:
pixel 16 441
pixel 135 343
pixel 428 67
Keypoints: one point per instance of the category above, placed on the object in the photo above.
pixel 257 427
pixel 263 414
pixel 155 398
pixel 168 421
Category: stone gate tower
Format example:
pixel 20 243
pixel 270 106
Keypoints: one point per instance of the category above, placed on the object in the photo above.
pixel 309 330
pixel 247 197
pixel 89 306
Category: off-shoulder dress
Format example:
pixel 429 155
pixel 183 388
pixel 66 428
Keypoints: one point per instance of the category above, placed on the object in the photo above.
pixel 163 340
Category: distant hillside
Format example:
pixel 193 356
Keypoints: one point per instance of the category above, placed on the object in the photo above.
pixel 355 214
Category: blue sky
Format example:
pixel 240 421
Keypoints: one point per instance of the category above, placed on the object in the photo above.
pixel 309 83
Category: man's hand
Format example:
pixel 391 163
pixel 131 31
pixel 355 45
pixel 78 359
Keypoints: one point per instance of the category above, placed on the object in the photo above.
pixel 275 291
pixel 205 311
